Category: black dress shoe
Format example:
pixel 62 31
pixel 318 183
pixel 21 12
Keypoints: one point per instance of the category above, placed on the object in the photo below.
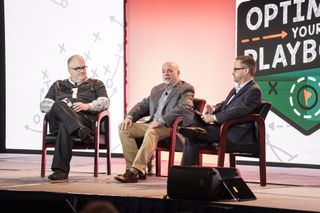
pixel 128 177
pixel 193 132
pixel 82 134
pixel 58 175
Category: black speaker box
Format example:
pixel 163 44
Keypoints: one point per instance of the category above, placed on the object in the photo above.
pixel 202 183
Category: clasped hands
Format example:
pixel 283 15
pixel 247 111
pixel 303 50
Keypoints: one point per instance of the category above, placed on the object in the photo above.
pixel 208 117
pixel 77 106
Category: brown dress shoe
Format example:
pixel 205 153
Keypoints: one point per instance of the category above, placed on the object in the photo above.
pixel 127 177
pixel 141 175
pixel 193 132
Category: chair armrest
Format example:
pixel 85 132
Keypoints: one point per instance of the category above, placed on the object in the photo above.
pixel 247 118
pixel 251 117
pixel 101 115
pixel 173 133
pixel 176 123
pixel 45 124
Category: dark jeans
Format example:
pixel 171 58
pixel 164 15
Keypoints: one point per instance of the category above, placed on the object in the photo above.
pixel 63 122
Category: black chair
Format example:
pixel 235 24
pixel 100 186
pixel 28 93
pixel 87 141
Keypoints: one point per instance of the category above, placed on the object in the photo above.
pixel 101 141
pixel 257 150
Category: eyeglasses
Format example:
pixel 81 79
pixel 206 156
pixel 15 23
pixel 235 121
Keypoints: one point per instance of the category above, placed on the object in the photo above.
pixel 78 68
pixel 239 68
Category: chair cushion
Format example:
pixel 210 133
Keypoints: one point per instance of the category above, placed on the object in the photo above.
pixel 232 148
pixel 247 148
pixel 51 139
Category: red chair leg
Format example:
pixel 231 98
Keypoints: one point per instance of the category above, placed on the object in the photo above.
pixel 158 163
pixel 108 161
pixel 221 159
pixel 43 161
pixel 170 160
pixel 232 160
pixel 96 159
pixel 263 173
pixel 200 159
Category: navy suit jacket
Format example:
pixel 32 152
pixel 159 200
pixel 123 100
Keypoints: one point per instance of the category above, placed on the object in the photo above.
pixel 245 102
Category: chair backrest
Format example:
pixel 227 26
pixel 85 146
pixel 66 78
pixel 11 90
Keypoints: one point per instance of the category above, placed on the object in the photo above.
pixel 252 140
pixel 264 109
pixel 199 104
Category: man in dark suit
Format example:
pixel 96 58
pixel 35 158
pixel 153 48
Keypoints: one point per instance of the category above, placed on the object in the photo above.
pixel 242 100
pixel 164 104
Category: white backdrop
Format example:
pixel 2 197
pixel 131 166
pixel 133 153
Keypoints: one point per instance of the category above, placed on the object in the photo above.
pixel 40 36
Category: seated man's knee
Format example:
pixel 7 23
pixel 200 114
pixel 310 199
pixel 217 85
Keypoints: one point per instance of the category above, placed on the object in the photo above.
pixel 122 132
pixel 58 105
pixel 150 132
pixel 125 132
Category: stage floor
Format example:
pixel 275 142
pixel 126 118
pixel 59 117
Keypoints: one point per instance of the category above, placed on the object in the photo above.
pixel 287 188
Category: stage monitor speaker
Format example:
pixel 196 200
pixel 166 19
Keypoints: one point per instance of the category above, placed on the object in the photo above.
pixel 204 183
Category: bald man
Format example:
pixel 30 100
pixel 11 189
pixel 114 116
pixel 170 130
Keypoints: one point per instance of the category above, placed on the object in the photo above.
pixel 164 104
pixel 72 105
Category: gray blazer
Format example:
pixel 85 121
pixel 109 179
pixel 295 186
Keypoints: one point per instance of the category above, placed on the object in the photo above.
pixel 180 98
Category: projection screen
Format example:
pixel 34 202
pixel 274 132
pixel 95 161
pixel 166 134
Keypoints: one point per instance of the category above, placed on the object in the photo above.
pixel 40 37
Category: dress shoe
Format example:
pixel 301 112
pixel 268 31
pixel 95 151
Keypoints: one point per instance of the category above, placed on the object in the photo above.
pixel 141 176
pixel 82 134
pixel 193 132
pixel 58 175
pixel 128 177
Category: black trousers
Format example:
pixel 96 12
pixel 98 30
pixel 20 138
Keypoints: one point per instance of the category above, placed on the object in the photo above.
pixel 192 144
pixel 63 122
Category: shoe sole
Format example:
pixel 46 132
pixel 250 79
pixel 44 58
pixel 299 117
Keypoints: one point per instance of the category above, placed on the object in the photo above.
pixel 117 178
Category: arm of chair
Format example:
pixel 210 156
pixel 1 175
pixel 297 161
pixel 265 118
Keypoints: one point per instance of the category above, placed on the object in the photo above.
pixel 44 129
pixel 226 125
pixel 173 133
pixel 100 117
pixel 45 124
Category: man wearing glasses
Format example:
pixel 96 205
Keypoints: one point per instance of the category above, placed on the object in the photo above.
pixel 242 100
pixel 72 105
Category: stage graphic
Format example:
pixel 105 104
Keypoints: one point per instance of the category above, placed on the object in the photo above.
pixel 283 36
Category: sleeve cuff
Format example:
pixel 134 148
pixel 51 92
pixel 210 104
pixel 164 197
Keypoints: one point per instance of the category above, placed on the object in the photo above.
pixel 161 121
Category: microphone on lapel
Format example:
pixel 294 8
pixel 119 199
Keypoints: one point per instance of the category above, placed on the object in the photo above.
pixel 166 93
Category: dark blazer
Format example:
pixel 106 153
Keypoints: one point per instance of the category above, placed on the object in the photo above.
pixel 245 102
pixel 180 98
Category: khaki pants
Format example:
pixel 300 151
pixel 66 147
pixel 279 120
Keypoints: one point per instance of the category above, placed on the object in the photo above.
pixel 140 158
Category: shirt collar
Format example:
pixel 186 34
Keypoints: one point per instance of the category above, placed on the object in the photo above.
pixel 170 87
pixel 77 83
pixel 238 87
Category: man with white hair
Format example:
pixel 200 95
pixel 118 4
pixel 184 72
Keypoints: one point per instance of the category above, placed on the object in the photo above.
pixel 164 104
